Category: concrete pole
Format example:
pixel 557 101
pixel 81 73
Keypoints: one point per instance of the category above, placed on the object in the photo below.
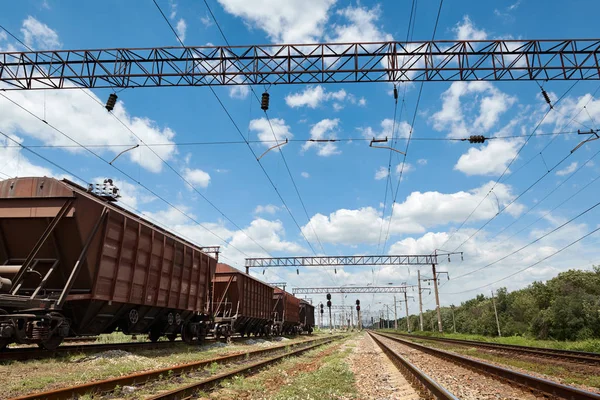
pixel 351 318
pixel 406 304
pixel 420 301
pixel 359 322
pixel 453 320
pixel 496 313
pixel 437 298
pixel 330 328
pixel 388 316
pixel 395 315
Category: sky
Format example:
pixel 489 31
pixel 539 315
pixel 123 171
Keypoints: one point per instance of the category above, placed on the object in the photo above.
pixel 507 204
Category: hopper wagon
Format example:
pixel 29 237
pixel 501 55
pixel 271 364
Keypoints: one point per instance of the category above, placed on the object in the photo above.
pixel 307 316
pixel 74 263
pixel 286 313
pixel 242 304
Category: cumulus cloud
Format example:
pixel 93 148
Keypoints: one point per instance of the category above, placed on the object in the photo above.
pixel 491 102
pixel 305 174
pixel 196 177
pixel 387 127
pixel 417 213
pixel 181 29
pixel 568 169
pixel 283 21
pixel 422 161
pixel 466 30
pixel 313 96
pixel 362 26
pixel 38 34
pixel 490 159
pixel 381 173
pixel 265 134
pixel 239 92
pixel 322 130
pixel 14 163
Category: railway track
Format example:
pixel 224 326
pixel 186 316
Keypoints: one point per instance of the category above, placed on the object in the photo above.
pixel 144 378
pixel 34 353
pixel 527 383
pixel 579 357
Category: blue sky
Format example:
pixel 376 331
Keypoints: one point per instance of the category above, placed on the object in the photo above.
pixel 342 184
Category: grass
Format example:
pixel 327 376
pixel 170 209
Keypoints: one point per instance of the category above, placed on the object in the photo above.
pixel 590 345
pixel 318 374
pixel 21 378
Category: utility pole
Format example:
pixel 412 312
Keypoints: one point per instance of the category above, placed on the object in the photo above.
pixel 496 313
pixel 358 320
pixel 329 306
pixel 407 319
pixel 396 314
pixel 420 301
pixel 437 298
pixel 453 320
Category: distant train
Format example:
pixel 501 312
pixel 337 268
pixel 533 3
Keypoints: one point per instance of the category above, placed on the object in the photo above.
pixel 74 263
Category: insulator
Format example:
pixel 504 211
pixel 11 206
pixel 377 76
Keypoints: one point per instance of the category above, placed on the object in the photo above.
pixel 335 271
pixel 264 271
pixel 395 93
pixel 546 97
pixel 477 139
pixel 297 271
pixel 110 103
pixel 264 102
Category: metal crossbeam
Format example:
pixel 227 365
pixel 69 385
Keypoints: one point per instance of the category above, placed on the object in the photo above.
pixel 277 64
pixel 330 261
pixel 352 289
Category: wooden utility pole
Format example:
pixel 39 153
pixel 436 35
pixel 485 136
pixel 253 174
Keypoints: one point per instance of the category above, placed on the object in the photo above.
pixel 420 301
pixel 396 314
pixel 437 298
pixel 496 313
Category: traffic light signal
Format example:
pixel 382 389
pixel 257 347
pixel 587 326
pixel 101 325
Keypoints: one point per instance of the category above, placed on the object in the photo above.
pixel 328 296
pixel 357 308
pixel 328 303
pixel 358 302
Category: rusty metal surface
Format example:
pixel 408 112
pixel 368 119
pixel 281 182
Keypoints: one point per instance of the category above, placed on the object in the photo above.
pixel 144 377
pixel 554 389
pixel 248 295
pixel 287 305
pixel 129 261
pixel 568 355
pixel 417 377
pixel 307 313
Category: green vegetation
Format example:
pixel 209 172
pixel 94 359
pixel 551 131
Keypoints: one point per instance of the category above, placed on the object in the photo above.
pixel 565 308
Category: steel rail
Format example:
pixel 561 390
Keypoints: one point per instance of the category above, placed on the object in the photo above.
pixel 545 386
pixel 568 355
pixel 417 377
pixel 33 353
pixel 108 385
pixel 187 391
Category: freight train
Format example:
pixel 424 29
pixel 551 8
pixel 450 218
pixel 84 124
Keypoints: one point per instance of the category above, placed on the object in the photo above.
pixel 75 263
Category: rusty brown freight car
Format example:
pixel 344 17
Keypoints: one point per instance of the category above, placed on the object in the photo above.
pixel 75 263
pixel 307 316
pixel 242 304
pixel 286 312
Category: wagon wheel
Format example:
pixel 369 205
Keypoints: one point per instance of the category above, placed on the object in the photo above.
pixel 186 334
pixel 53 341
pixel 154 335
pixel 172 337
pixel 3 341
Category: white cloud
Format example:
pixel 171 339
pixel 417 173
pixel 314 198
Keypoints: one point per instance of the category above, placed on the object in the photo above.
pixel 264 132
pixel 407 168
pixel 14 163
pixel 489 159
pixel 291 21
pixel 197 177
pixel 572 108
pixel 37 34
pixel 78 114
pixel 313 96
pixel 387 127
pixel 181 28
pixel 422 161
pixel 305 174
pixel 466 30
pixel 568 169
pixel 239 92
pixel 492 103
pixel 268 209
pixel 381 173
pixel 362 102
pixel 363 26
pixel 324 129
pixel 173 7
pixel 3 36
pixel 418 212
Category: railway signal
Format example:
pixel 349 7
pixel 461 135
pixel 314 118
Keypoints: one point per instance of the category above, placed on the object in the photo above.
pixel 329 306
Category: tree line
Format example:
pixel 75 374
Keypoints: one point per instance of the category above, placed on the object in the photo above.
pixel 566 307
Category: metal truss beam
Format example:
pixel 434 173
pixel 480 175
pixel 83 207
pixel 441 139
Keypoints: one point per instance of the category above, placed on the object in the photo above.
pixel 351 289
pixel 331 261
pixel 277 64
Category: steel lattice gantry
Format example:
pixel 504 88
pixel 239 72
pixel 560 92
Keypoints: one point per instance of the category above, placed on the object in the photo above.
pixel 471 60
pixel 351 289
